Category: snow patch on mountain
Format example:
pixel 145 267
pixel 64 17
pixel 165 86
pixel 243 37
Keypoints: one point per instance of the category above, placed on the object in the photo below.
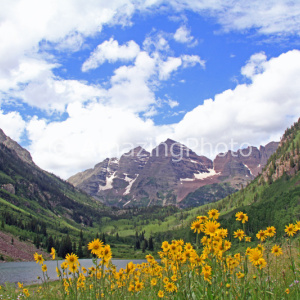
pixel 131 181
pixel 248 169
pixel 109 182
pixel 201 176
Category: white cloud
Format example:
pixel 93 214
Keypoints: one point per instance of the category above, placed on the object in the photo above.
pixel 111 51
pixel 172 103
pixel 88 136
pixel 173 63
pixel 25 71
pixel 156 42
pixel 72 42
pixel 192 60
pixel 131 85
pixel 183 35
pixel 100 117
pixel 267 17
pixel 255 65
pixel 12 124
pixel 255 113
pixel 169 66
pixel 25 23
pixel 53 94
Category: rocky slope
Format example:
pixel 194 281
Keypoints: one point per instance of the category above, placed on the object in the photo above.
pixel 168 174
pixel 22 153
pixel 286 159
pixel 12 249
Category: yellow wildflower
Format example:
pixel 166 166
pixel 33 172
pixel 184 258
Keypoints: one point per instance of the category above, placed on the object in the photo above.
pixel 197 226
pixel 290 229
pixel 276 250
pixel 95 246
pixel 255 255
pixel 240 275
pixel 213 214
pixel 271 230
pixel 38 258
pixel 239 234
pixel 53 252
pixel 240 216
pixel 160 294
pixel 211 227
pixel 44 268
pixel 71 259
pixel 261 235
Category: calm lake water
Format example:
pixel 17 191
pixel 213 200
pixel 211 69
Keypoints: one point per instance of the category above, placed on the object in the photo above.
pixel 27 272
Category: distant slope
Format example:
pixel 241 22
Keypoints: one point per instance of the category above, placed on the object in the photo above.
pixel 207 194
pixel 35 202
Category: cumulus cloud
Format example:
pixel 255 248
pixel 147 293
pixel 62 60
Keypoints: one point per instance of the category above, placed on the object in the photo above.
pixel 173 63
pixel 255 65
pixel 12 124
pixel 52 94
pixel 111 51
pixel 157 42
pixel 88 136
pixel 172 103
pixel 25 71
pixel 267 17
pixel 169 66
pixel 25 23
pixel 253 113
pixel 259 111
pixel 192 60
pixel 183 35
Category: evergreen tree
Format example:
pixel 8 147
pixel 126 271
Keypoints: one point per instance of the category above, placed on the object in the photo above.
pixel 50 243
pixel 74 249
pixel 146 243
pixel 151 246
pixel 65 246
pixel 144 246
pixel 79 250
pixel 137 244
pixel 103 239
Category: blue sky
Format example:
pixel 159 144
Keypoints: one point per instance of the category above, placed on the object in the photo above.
pixel 84 80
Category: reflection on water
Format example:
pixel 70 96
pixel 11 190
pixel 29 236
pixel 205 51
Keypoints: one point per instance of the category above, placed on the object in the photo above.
pixel 27 272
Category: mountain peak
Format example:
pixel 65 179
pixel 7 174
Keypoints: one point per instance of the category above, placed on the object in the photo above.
pixel 22 153
pixel 169 142
pixel 137 151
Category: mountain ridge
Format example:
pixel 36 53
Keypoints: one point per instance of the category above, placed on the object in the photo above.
pixel 167 174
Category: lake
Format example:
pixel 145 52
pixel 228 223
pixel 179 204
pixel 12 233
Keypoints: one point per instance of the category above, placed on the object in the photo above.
pixel 27 272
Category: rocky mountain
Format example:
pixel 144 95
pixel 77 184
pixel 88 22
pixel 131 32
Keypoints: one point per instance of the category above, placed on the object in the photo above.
pixel 245 163
pixel 169 174
pixel 22 153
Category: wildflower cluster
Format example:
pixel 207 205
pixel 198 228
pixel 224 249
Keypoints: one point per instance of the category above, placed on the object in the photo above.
pixel 210 269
